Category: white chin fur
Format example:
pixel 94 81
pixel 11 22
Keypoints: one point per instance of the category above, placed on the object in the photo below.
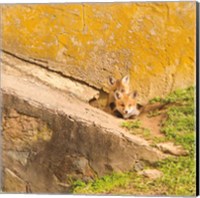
pixel 131 113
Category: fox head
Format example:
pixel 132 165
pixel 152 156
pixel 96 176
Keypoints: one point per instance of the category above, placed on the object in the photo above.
pixel 126 104
pixel 120 85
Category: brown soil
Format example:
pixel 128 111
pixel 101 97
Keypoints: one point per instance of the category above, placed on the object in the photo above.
pixel 153 123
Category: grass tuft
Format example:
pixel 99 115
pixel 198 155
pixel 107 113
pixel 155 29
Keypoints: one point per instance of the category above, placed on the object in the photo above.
pixel 131 124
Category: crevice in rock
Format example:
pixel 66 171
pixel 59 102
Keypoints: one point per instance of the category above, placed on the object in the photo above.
pixel 84 141
pixel 41 64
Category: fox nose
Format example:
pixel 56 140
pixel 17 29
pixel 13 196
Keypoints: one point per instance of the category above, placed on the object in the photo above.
pixel 126 111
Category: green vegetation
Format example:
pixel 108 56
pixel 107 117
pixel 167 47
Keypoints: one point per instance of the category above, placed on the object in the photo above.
pixel 180 124
pixel 132 124
pixel 179 172
pixel 135 128
pixel 102 185
pixel 153 113
pixel 178 96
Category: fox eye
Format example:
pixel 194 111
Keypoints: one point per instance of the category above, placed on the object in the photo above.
pixel 122 90
pixel 122 105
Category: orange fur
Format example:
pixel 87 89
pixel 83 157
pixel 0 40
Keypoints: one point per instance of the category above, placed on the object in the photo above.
pixel 126 104
pixel 119 85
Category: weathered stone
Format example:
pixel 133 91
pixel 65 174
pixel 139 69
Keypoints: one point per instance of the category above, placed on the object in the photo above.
pixel 21 132
pixel 12 183
pixel 171 148
pixel 81 165
pixel 14 65
pixel 22 156
pixel 71 166
pixel 73 43
pixel 13 114
pixel 138 166
pixel 151 173
pixel 82 142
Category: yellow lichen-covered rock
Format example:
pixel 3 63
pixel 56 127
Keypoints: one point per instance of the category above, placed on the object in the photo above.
pixel 153 42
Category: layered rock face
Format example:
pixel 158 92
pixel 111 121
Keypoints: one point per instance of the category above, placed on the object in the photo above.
pixel 56 58
pixel 51 138
pixel 152 42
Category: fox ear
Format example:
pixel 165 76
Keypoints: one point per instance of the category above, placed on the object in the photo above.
pixel 125 79
pixel 111 80
pixel 117 95
pixel 134 94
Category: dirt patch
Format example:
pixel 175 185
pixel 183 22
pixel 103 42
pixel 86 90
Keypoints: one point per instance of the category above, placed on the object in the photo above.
pixel 152 118
pixel 153 124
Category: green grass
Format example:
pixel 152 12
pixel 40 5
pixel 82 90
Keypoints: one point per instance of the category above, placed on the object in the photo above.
pixel 178 172
pixel 132 124
pixel 154 113
pixel 102 185
pixel 118 183
pixel 180 125
pixel 180 95
pixel 135 128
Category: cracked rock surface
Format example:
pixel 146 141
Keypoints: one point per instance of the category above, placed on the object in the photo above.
pixel 50 136
pixel 171 148
pixel 151 173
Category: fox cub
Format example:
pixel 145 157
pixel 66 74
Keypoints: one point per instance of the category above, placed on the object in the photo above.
pixel 126 105
pixel 117 85
pixel 120 101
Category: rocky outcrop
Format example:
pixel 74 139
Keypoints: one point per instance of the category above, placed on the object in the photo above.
pixel 51 138
pixel 90 42
pixel 54 65
pixel 151 173
pixel 171 148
